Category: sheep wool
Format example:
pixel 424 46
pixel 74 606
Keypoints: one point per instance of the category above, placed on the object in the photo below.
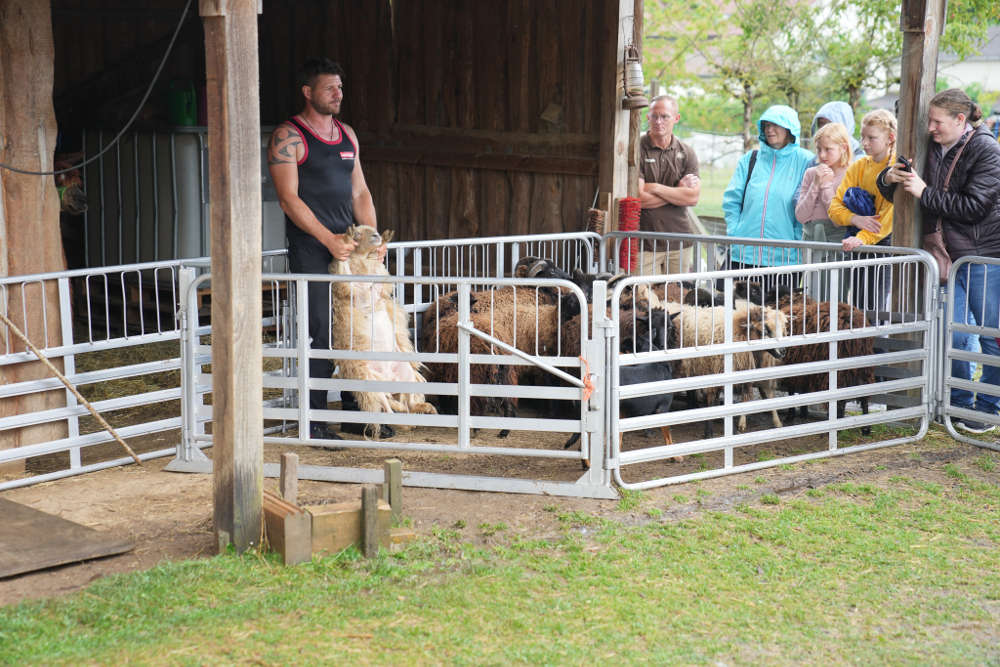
pixel 366 317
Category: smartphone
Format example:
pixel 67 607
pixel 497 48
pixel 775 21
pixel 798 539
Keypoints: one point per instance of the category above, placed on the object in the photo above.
pixel 905 161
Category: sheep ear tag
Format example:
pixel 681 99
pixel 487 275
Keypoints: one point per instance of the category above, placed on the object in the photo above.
pixel 387 235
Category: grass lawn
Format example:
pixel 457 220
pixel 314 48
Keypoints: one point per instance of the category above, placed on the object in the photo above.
pixel 900 572
pixel 713 183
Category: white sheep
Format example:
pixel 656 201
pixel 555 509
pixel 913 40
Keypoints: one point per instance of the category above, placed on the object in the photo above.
pixel 366 317
pixel 699 326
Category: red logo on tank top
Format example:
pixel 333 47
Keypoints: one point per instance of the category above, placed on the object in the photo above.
pixel 346 155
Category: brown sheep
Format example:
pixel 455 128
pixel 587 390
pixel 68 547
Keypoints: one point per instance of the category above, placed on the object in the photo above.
pixel 527 324
pixel 808 316
pixel 706 326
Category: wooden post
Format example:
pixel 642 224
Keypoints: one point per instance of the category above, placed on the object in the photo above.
pixel 635 115
pixel 613 176
pixel 289 482
pixel 232 95
pixel 30 240
pixel 392 486
pixel 922 22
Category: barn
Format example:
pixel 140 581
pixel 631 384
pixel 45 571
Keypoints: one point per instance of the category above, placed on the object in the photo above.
pixel 475 119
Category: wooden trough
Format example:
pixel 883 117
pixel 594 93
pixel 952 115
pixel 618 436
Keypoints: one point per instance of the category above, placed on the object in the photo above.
pixel 299 532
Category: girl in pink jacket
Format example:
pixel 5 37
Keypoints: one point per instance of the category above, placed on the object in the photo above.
pixel 819 184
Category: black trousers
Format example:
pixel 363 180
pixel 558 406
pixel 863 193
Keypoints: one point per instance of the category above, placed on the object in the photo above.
pixel 791 279
pixel 310 256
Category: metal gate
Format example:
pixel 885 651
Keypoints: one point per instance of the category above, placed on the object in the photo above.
pixel 969 293
pixel 288 417
pixel 893 346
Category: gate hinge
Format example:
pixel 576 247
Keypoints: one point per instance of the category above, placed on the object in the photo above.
pixel 607 325
pixel 591 422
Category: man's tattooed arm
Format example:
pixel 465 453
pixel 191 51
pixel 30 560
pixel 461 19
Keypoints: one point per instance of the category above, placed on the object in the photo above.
pixel 284 147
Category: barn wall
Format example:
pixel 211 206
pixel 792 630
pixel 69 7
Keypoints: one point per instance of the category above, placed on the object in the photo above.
pixel 475 118
pixel 497 120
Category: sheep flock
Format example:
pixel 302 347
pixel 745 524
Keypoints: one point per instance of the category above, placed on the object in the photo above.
pixel 550 322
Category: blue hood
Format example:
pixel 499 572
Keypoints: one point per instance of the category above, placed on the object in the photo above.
pixel 838 112
pixel 784 116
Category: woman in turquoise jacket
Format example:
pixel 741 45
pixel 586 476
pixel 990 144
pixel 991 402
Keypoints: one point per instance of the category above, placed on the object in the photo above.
pixel 763 205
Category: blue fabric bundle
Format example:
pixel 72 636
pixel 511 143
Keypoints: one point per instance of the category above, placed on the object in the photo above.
pixel 859 201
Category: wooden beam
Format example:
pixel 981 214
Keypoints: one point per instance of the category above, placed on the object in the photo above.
pixel 339 525
pixel 232 93
pixel 922 22
pixel 635 115
pixel 30 241
pixel 539 164
pixel 614 152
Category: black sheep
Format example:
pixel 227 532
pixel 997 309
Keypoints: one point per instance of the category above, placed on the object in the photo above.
pixel 644 331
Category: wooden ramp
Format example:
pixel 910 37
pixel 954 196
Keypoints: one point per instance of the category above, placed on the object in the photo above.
pixel 34 540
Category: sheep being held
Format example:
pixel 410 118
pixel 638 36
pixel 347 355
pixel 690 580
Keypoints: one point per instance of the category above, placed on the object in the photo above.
pixel 367 318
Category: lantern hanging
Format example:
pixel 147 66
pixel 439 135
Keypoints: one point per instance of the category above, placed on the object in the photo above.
pixel 634 85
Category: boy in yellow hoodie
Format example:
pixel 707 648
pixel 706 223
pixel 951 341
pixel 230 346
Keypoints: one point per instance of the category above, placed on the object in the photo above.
pixel 870 285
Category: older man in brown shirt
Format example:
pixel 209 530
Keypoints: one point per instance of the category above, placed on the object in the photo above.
pixel 668 186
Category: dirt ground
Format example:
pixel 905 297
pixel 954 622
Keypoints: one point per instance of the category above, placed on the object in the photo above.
pixel 169 515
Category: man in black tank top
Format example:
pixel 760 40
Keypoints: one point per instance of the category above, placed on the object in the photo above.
pixel 314 163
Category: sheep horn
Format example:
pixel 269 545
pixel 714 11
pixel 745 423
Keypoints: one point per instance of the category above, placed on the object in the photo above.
pixel 538 267
pixel 521 268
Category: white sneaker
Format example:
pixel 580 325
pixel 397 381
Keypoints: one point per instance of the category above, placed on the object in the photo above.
pixel 976 427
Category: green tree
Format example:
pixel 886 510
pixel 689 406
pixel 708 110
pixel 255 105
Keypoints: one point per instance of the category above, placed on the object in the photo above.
pixel 732 48
pixel 866 54
pixel 795 51
pixel 861 52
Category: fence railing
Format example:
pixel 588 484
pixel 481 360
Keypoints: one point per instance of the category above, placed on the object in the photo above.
pixel 114 333
pixel 121 325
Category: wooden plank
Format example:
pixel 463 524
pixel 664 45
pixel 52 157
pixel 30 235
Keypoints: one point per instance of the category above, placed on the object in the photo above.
pixel 338 525
pixel 495 197
pixel 411 107
pixel 235 219
pixel 433 74
pixel 520 203
pixel 287 529
pixel 383 64
pixel 491 62
pixel 546 205
pixel 465 99
pixel 447 89
pixel 31 540
pixel 542 164
pixel 522 70
pixel 614 120
pixel 489 141
pixel 437 206
pixel 388 202
pixel 413 214
pixel 463 218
